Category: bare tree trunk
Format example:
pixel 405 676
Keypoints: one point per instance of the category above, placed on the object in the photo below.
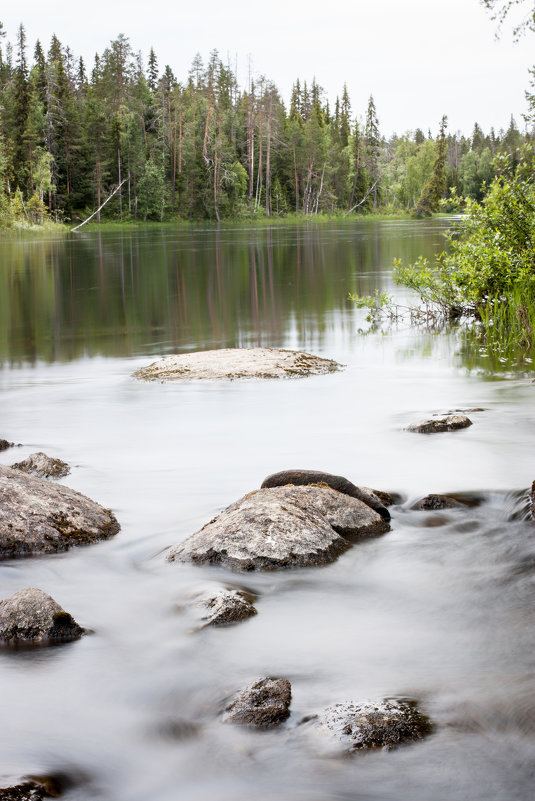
pixel 268 158
pixel 117 188
pixel 296 183
pixel 356 176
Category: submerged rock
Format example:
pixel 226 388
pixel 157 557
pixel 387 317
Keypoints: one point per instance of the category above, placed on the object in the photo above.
pixel 282 527
pixel 226 606
pixel 383 724
pixel 32 617
pixel 338 483
pixel 262 705
pixel 448 422
pixel 25 791
pixel 432 502
pixel 43 466
pixel 39 517
pixel 33 788
pixel 237 363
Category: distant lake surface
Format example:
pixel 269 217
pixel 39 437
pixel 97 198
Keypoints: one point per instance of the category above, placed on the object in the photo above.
pixel 440 609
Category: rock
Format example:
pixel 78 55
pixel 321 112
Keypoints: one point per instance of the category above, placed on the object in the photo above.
pixel 237 363
pixel 382 497
pixel 32 789
pixel 432 502
pixel 32 617
pixel 39 464
pixel 532 499
pixel 226 606
pixel 4 444
pixel 338 483
pixel 39 517
pixel 383 724
pixel 281 527
pixel 448 422
pixel 262 705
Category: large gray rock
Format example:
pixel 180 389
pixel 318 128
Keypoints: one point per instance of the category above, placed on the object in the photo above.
pixel 318 477
pixel 262 705
pixel 32 617
pixel 43 466
pixel 435 425
pixel 364 726
pixel 282 527
pixel 39 517
pixel 225 606
pixel 237 363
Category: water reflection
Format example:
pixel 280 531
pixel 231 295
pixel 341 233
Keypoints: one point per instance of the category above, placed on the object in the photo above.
pixel 121 293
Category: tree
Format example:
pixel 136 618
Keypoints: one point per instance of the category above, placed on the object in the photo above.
pixel 373 141
pixel 435 188
pixel 502 8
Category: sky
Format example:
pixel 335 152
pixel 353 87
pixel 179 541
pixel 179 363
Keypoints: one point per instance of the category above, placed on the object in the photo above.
pixel 419 59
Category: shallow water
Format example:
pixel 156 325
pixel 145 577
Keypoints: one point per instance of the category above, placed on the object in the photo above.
pixel 440 609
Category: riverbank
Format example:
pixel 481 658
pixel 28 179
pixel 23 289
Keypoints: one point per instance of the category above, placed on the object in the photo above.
pixel 260 221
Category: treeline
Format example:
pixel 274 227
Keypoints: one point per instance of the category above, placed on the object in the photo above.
pixel 205 148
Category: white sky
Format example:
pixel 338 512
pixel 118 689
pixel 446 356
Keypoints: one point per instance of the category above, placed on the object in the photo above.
pixel 419 58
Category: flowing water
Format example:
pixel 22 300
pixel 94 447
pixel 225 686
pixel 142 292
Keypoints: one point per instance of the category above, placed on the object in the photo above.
pixel 440 609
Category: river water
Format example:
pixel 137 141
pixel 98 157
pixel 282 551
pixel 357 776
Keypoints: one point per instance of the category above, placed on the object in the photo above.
pixel 440 609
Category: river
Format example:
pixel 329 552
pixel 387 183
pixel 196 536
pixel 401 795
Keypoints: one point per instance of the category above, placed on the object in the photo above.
pixel 440 609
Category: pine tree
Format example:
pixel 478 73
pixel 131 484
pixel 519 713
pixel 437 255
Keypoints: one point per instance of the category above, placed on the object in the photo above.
pixel 435 188
pixel 373 141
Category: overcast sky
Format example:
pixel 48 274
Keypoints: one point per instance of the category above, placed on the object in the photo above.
pixel 419 58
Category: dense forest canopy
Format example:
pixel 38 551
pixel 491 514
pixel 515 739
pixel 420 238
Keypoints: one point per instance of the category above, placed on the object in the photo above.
pixel 205 148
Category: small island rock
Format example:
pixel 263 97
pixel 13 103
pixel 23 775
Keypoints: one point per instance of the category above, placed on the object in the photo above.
pixel 434 502
pixel 43 466
pixel 383 724
pixel 448 422
pixel 32 617
pixel 225 606
pixel 338 483
pixel 294 526
pixel 237 363
pixel 39 517
pixel 4 444
pixel 262 705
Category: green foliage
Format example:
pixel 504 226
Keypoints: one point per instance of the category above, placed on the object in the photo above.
pixel 488 270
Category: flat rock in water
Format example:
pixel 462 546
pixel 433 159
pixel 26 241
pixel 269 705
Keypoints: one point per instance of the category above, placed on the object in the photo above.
pixel 364 726
pixel 282 527
pixel 43 466
pixel 224 607
pixel 237 363
pixel 39 517
pixel 262 705
pixel 338 483
pixel 32 617
pixel 448 422
pixel 432 502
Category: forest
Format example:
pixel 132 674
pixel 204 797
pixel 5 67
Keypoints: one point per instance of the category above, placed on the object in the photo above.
pixel 204 148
